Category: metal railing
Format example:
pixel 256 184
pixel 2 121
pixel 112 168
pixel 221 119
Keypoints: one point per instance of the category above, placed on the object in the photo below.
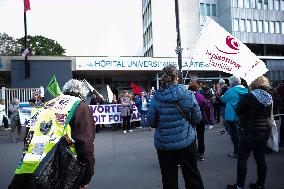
pixel 23 94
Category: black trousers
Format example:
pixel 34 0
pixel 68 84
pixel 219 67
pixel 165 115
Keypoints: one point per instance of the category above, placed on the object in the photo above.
pixel 255 142
pixel 282 129
pixel 186 157
pixel 217 111
pixel 5 122
pixel 200 129
pixel 126 122
pixel 233 127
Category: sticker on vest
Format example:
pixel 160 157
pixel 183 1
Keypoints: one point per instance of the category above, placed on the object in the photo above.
pixel 52 137
pixel 33 119
pixel 61 118
pixel 28 140
pixel 49 105
pixel 45 127
pixel 62 104
pixel 21 161
pixel 38 149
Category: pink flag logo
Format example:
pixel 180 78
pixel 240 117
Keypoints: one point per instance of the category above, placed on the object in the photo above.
pixel 232 44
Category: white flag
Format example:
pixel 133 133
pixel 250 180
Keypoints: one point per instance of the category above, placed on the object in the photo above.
pixel 26 52
pixel 223 51
pixel 109 94
pixel 92 89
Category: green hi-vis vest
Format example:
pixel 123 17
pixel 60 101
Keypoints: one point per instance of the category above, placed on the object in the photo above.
pixel 47 125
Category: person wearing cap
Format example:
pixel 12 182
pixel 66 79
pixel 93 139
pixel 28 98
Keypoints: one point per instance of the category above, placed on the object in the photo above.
pixel 47 126
pixel 231 98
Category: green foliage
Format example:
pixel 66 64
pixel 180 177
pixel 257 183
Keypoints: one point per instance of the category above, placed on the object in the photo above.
pixel 8 45
pixel 42 46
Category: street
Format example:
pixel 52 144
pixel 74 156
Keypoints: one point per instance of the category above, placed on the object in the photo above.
pixel 128 161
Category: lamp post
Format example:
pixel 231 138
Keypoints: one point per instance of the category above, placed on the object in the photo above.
pixel 178 48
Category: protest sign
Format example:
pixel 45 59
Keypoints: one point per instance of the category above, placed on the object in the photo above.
pixel 25 113
pixel 223 51
pixel 103 114
pixel 111 113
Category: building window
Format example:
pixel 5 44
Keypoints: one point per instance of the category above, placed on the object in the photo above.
pixel 242 25
pixel 266 27
pixel 208 9
pixel 259 4
pixel 236 24
pixel 277 4
pixel 241 3
pixel 277 27
pixel 202 9
pixel 247 3
pixel 270 4
pixel 252 3
pixel 272 27
pixel 260 26
pixel 265 4
pixel 248 25
pixel 214 10
pixel 282 5
pixel 282 27
pixel 254 26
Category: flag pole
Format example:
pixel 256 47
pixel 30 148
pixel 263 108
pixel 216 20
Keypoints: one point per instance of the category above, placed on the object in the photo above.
pixel 178 48
pixel 27 65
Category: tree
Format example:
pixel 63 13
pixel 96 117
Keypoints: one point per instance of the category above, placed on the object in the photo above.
pixel 8 45
pixel 42 46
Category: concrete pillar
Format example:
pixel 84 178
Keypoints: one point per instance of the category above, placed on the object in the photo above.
pixel 189 25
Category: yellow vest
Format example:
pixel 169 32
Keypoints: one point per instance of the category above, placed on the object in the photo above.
pixel 47 125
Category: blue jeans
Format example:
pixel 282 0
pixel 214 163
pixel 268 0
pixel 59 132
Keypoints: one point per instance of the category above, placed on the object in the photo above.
pixel 255 142
pixel 233 127
pixel 143 116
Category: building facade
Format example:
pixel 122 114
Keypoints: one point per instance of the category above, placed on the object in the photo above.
pixel 257 23
pixel 159 27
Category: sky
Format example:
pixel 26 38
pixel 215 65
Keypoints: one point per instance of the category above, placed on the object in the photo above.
pixel 83 28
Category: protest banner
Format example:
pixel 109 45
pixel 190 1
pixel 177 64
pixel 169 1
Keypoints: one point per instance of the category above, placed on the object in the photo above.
pixel 103 114
pixel 111 113
pixel 226 53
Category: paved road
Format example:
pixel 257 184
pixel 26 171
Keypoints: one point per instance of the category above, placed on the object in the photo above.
pixel 129 161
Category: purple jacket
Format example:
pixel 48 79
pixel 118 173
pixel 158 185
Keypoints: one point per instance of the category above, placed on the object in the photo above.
pixel 206 109
pixel 200 99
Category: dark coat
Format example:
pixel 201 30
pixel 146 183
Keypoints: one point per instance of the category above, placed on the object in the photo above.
pixel 253 114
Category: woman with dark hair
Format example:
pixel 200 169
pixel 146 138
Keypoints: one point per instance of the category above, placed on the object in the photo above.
pixel 200 127
pixel 170 109
pixel 254 109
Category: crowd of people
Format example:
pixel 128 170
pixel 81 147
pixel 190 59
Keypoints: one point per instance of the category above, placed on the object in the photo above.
pixel 180 117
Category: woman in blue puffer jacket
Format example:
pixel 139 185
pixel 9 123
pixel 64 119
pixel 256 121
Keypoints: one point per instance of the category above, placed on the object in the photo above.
pixel 174 138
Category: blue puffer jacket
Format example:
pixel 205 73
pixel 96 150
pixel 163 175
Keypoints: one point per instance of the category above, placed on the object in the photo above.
pixel 231 98
pixel 173 132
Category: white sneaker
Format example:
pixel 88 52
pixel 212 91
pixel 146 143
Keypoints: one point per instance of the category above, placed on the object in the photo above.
pixel 130 130
pixel 210 127
pixel 124 131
